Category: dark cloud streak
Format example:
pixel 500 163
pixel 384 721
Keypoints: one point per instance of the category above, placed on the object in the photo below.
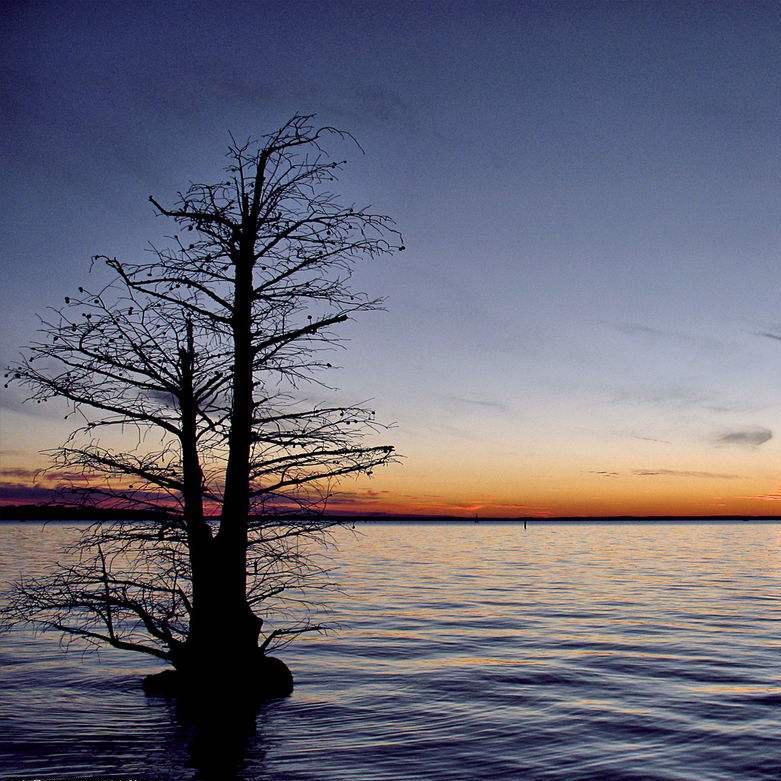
pixel 475 402
pixel 752 436
pixel 683 473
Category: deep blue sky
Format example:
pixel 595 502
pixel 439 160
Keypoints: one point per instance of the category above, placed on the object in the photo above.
pixel 589 193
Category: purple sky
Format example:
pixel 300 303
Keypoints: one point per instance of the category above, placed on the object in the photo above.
pixel 589 193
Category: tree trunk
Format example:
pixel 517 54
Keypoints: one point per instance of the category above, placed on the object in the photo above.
pixel 238 626
pixel 198 532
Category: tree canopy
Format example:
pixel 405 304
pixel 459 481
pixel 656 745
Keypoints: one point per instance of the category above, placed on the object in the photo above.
pixel 187 372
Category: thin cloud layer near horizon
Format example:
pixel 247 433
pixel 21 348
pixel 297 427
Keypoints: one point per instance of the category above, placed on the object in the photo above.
pixel 586 319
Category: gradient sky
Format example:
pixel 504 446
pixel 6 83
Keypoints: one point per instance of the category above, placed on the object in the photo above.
pixel 589 192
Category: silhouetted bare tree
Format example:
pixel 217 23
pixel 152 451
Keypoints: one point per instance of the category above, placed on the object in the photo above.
pixel 199 354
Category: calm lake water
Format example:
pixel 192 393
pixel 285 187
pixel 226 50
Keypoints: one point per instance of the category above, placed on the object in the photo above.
pixel 581 651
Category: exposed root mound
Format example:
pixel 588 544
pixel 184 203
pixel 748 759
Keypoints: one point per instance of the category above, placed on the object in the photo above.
pixel 269 678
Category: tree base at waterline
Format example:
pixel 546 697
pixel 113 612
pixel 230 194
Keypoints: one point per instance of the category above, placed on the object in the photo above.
pixel 268 679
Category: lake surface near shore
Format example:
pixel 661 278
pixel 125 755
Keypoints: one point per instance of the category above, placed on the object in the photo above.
pixel 466 651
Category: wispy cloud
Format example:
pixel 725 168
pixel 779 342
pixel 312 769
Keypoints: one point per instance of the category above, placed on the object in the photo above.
pixel 663 334
pixel 681 397
pixel 500 508
pixel 473 401
pixel 21 493
pixel 350 498
pixel 18 473
pixel 750 436
pixel 768 335
pixel 683 473
pixel 765 497
pixel 71 477
pixel 636 329
pixel 11 402
pixel 13 493
pixel 447 430
pixel 666 473
pixel 51 476
pixel 670 396
pixel 650 439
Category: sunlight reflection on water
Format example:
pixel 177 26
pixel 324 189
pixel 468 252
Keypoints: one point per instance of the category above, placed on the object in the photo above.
pixel 466 651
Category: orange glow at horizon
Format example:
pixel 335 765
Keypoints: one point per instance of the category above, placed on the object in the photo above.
pixel 590 496
pixel 498 478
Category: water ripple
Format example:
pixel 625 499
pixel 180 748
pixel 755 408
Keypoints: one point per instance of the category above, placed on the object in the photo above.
pixel 466 652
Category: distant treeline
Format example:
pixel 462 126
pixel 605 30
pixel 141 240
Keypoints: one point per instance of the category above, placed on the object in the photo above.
pixel 60 512
pixel 33 512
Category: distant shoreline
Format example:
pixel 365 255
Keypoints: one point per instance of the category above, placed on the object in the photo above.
pixel 44 513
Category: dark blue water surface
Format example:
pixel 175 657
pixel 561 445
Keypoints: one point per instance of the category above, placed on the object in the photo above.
pixel 579 651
